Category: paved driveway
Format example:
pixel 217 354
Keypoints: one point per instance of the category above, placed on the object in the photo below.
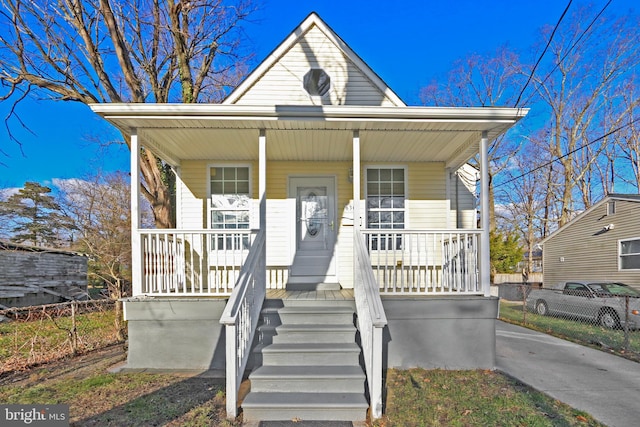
pixel 603 385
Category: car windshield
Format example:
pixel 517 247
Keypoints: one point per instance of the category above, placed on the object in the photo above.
pixel 614 289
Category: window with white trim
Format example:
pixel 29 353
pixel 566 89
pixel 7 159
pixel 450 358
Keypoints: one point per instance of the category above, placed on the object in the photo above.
pixel 386 193
pixel 630 254
pixel 230 203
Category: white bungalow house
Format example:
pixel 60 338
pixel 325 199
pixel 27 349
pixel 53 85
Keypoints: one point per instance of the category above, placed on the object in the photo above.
pixel 325 232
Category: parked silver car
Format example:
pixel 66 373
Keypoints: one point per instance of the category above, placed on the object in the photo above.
pixel 601 302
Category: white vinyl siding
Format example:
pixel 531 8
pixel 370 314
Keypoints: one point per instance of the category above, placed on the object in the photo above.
pixel 192 195
pixel 283 82
pixel 427 203
pixel 462 193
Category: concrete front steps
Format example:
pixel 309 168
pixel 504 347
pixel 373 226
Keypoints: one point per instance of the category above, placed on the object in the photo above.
pixel 306 364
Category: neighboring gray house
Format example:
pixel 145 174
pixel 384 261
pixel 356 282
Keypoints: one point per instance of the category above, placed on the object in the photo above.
pixel 602 243
pixel 325 231
pixel 35 276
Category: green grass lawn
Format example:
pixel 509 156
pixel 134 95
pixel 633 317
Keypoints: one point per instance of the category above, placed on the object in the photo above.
pixel 415 397
pixel 574 330
pixel 419 397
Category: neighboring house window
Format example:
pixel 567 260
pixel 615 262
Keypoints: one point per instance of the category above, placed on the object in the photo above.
pixel 230 204
pixel 611 207
pixel 386 193
pixel 630 254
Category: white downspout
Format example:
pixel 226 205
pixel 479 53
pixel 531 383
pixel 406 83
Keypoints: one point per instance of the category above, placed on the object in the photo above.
pixel 485 264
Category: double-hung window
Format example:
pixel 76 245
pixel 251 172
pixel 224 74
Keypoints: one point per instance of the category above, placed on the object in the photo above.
pixel 230 207
pixel 386 194
pixel 630 254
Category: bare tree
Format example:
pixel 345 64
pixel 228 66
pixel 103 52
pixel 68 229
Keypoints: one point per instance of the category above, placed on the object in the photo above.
pixel 95 51
pixel 582 89
pixel 526 206
pixel 99 207
pixel 483 81
pixel 628 142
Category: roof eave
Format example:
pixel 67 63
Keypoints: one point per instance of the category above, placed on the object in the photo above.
pixel 299 112
pixel 628 198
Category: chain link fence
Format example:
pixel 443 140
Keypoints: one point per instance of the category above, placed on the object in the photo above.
pixel 593 315
pixel 38 334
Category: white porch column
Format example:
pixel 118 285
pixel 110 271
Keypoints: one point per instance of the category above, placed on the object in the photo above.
pixel 262 193
pixel 136 248
pixel 262 177
pixel 485 265
pixel 356 180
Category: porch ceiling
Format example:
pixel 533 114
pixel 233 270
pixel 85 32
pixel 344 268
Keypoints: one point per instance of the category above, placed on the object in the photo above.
pixel 230 132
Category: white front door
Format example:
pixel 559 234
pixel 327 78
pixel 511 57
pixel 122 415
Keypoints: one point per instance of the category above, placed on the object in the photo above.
pixel 315 225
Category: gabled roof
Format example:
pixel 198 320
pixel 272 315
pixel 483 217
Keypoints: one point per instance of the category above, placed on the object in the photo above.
pixel 635 198
pixel 628 197
pixel 301 127
pixel 316 52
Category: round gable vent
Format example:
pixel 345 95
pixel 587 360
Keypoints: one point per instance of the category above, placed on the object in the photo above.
pixel 316 82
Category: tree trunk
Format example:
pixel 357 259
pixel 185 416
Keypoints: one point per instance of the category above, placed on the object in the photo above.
pixel 154 187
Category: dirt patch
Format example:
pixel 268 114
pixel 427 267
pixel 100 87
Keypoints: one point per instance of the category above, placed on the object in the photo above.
pixel 70 367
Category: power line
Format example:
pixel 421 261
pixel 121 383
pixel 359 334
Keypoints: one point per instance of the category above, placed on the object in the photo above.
pixel 550 162
pixel 586 30
pixel 555 67
pixel 566 9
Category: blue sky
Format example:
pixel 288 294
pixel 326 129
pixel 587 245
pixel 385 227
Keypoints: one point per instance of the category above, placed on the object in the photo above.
pixel 408 43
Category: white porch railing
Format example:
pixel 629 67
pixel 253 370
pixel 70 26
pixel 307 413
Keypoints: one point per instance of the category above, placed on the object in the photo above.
pixel 426 262
pixel 371 322
pixel 191 263
pixel 240 318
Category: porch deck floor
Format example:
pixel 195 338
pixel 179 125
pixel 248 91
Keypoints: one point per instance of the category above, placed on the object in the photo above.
pixel 337 295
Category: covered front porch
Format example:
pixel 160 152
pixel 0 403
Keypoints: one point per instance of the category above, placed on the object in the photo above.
pixel 420 262
pixel 422 239
pixel 369 194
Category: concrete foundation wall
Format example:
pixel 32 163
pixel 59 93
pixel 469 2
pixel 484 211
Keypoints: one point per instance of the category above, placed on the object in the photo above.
pixel 437 332
pixel 440 332
pixel 175 334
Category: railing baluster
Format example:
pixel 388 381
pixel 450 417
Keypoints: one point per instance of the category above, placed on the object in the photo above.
pixel 428 262
pixel 184 262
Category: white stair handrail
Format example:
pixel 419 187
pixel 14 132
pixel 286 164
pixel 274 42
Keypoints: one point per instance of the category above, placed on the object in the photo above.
pixel 240 318
pixel 371 322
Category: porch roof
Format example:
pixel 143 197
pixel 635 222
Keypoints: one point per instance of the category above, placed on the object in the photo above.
pixel 178 132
